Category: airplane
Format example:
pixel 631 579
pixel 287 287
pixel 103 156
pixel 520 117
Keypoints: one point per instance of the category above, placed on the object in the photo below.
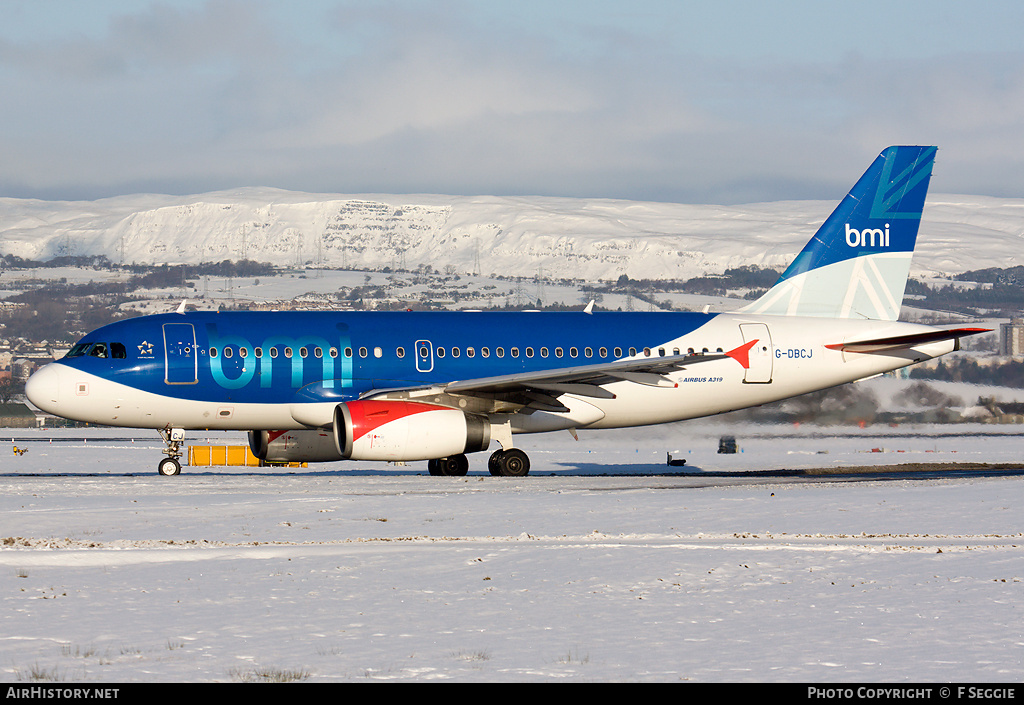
pixel 323 386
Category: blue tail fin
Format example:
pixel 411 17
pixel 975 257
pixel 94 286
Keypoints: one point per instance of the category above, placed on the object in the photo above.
pixel 856 265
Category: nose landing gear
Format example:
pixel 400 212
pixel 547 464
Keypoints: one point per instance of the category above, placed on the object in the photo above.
pixel 173 438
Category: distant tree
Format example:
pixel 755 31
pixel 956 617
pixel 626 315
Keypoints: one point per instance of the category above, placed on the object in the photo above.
pixel 9 389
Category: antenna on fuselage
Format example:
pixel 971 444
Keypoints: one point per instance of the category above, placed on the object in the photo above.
pixel 181 306
pixel 590 307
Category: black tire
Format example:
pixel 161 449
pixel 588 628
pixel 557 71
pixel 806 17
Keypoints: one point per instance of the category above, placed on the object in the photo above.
pixel 168 467
pixel 494 462
pixel 454 466
pixel 509 463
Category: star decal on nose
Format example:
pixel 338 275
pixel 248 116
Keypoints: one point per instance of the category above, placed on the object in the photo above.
pixel 145 348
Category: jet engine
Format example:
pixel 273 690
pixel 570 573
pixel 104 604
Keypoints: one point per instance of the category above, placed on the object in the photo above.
pixel 381 429
pixel 293 446
pixel 385 429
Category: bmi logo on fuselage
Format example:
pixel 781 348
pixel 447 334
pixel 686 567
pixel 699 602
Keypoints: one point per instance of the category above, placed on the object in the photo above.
pixel 867 237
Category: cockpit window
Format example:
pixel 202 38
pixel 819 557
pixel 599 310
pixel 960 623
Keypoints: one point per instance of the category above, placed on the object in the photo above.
pixel 116 351
pixel 78 349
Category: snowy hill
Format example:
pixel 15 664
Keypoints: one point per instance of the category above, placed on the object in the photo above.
pixel 588 239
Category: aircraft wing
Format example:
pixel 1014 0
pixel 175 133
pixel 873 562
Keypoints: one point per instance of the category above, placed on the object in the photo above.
pixel 586 379
pixel 540 389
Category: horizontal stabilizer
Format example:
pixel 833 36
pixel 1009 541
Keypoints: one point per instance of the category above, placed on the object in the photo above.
pixel 905 341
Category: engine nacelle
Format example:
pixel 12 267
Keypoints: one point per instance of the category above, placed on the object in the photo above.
pixel 383 429
pixel 293 446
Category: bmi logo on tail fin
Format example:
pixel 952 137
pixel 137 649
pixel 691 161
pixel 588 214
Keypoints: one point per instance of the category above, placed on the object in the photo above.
pixel 856 265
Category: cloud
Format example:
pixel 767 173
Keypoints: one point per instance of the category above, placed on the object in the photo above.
pixel 441 97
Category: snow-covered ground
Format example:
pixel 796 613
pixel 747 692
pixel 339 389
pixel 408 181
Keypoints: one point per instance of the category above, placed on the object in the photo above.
pixel 606 564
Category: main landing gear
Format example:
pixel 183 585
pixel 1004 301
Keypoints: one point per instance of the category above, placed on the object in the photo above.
pixel 509 463
pixel 173 438
pixel 505 463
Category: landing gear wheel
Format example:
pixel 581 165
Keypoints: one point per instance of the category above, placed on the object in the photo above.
pixel 494 462
pixel 509 463
pixel 168 467
pixel 454 466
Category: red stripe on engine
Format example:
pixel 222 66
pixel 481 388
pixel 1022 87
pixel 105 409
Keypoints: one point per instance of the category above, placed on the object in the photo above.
pixel 371 414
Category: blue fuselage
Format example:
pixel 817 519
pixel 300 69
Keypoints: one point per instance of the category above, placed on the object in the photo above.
pixel 282 357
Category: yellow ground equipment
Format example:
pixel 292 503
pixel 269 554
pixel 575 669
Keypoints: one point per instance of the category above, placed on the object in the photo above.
pixel 220 456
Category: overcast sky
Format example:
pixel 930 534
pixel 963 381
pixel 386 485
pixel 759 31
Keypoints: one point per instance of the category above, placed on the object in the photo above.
pixel 709 102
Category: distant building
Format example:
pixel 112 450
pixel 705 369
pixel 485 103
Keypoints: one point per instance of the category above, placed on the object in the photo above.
pixel 16 416
pixel 1011 338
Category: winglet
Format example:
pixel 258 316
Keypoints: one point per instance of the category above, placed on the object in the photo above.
pixel 742 353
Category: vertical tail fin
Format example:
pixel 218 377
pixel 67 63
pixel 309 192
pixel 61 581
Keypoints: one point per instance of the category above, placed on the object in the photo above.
pixel 856 265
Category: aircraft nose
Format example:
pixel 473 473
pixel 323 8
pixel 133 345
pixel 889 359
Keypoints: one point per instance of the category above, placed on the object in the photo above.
pixel 42 388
